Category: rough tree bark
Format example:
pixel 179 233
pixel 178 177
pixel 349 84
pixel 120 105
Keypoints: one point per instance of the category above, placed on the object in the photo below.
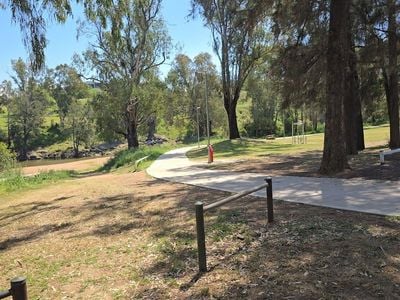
pixel 151 123
pixel 131 118
pixel 391 84
pixel 230 108
pixel 334 156
pixel 352 104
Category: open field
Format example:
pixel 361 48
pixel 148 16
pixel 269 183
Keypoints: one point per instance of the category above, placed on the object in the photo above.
pixel 281 157
pixel 253 148
pixel 128 236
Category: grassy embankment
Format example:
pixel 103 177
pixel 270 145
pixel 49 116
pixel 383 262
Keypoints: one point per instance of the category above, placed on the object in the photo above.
pixel 123 161
pixel 126 159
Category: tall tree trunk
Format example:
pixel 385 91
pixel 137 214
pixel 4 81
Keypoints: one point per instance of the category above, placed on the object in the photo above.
pixel 230 107
pixel 75 139
pixel 132 136
pixel 392 78
pixel 24 149
pixel 76 150
pixel 131 119
pixel 352 104
pixel 8 129
pixel 360 128
pixel 334 156
pixel 151 123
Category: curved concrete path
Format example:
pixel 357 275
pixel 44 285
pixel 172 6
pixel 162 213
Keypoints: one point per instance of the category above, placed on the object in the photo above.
pixel 371 196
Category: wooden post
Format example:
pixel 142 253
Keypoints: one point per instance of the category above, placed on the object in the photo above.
pixel 18 289
pixel 270 204
pixel 201 238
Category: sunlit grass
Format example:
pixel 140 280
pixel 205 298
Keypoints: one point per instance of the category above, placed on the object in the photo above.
pixel 374 136
pixel 128 157
pixel 14 180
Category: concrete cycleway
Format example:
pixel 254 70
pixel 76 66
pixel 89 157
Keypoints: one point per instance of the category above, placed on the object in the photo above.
pixel 371 196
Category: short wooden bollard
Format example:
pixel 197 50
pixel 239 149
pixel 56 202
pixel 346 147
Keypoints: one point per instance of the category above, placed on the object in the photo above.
pixel 201 237
pixel 270 203
pixel 18 290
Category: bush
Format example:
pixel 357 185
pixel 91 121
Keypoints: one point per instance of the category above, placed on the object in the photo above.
pixel 130 156
pixel 7 158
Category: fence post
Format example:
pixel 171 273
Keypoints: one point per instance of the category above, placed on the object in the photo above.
pixel 201 238
pixel 270 205
pixel 4 294
pixel 18 288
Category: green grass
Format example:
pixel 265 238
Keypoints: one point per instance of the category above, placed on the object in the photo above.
pixel 127 158
pixel 228 223
pixel 260 147
pixel 14 181
pixel 3 121
pixel 46 123
pixel 53 118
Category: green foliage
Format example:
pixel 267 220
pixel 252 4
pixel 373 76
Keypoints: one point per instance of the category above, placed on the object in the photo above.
pixel 27 108
pixel 264 105
pixel 80 124
pixel 13 180
pixel 66 86
pixel 240 41
pixel 189 82
pixel 130 156
pixel 125 55
pixel 31 17
pixel 7 158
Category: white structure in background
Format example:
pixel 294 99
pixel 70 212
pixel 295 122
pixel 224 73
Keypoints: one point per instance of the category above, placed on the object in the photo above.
pixel 298 136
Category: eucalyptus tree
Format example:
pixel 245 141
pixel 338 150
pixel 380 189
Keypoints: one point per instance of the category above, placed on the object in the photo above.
pixel 65 85
pixel 79 123
pixel 381 47
pixel 6 96
pixel 189 83
pixel 180 100
pixel 33 18
pixel 130 42
pixel 265 102
pixel 27 108
pixel 239 40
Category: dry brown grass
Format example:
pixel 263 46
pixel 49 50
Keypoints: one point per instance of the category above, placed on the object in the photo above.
pixel 365 165
pixel 127 236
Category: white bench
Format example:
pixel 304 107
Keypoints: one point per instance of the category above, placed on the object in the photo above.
pixel 382 154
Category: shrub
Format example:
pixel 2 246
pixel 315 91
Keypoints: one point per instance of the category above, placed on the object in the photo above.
pixel 7 158
pixel 129 156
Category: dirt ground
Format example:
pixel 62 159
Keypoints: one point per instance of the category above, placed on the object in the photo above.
pixel 364 165
pixel 128 236
pixel 79 165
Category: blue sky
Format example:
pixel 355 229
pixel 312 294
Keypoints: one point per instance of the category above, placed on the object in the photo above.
pixel 189 35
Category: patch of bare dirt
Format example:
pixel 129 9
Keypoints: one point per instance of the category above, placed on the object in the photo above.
pixel 128 236
pixel 364 165
pixel 79 165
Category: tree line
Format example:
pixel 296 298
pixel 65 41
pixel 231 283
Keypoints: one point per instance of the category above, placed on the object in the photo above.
pixel 299 59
